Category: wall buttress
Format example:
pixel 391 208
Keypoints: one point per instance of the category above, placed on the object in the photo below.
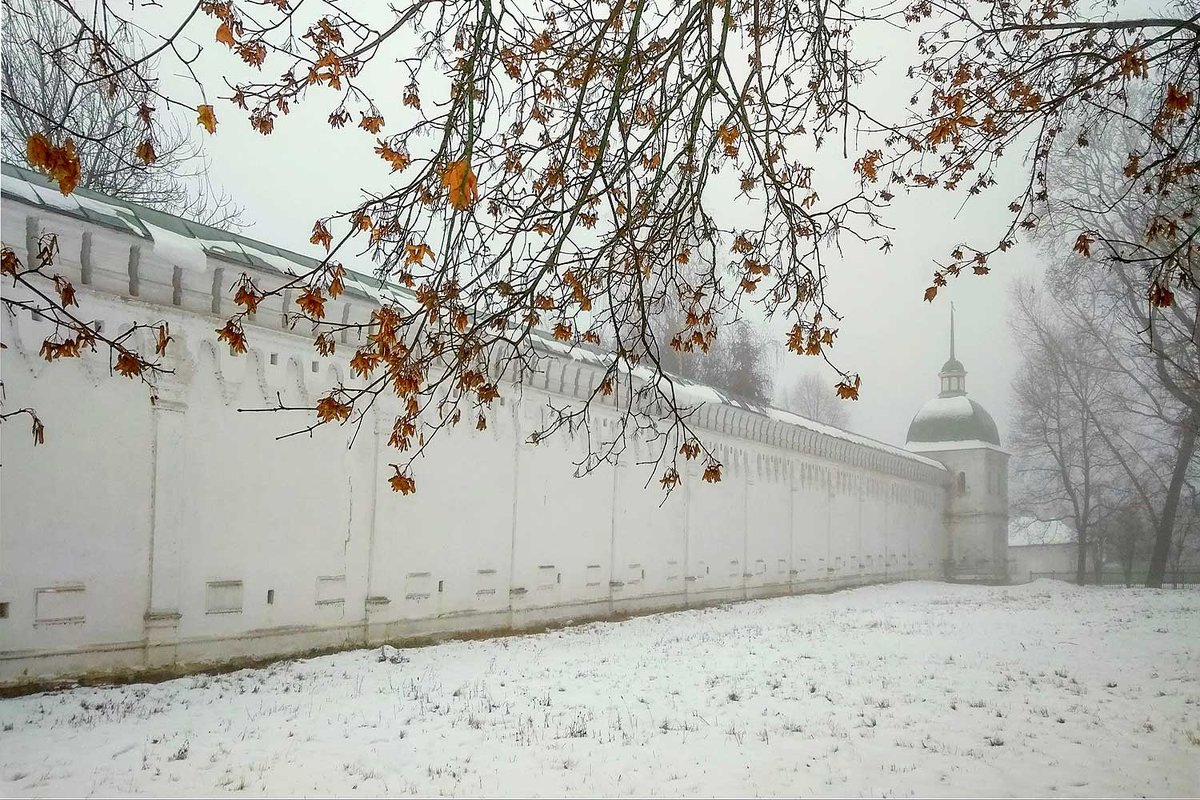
pixel 168 505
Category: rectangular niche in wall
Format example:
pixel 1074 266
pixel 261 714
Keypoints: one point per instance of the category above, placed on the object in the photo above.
pixel 418 586
pixel 331 590
pixel 59 605
pixel 485 582
pixel 223 597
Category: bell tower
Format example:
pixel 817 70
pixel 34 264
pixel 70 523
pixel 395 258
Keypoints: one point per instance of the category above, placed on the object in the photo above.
pixel 957 431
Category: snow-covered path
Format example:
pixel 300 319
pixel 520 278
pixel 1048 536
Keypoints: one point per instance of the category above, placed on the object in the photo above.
pixel 917 688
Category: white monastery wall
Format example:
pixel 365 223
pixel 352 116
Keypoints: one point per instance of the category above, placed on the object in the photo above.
pixel 179 532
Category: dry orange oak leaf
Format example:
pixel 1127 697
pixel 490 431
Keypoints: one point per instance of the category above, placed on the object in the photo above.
pixel 225 35
pixel 460 183
pixel 847 390
pixel 60 163
pixel 206 117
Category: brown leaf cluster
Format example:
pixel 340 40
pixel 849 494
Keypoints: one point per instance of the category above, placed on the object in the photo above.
pixel 59 162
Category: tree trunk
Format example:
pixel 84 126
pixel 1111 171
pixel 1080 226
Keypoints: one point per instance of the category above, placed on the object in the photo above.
pixel 1081 559
pixel 1166 520
pixel 1175 559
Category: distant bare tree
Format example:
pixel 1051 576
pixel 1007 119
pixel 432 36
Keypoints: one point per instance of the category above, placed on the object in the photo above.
pixel 1155 344
pixel 46 90
pixel 1063 465
pixel 813 398
pixel 1185 546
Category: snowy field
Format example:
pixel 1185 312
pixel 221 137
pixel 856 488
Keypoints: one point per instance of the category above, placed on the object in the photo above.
pixel 910 689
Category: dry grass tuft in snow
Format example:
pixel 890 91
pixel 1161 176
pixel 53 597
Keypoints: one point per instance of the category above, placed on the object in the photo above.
pixel 918 688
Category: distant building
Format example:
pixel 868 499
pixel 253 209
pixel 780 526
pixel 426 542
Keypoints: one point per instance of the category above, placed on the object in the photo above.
pixel 960 433
pixel 1036 547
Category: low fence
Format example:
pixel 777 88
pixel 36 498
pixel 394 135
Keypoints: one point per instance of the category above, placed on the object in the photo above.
pixel 1173 579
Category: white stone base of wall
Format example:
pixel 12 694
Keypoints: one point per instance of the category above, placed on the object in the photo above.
pixel 22 671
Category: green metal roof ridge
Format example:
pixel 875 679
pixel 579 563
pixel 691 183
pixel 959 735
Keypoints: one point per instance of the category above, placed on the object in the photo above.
pixel 173 222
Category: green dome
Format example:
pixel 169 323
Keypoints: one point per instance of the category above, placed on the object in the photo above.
pixel 953 419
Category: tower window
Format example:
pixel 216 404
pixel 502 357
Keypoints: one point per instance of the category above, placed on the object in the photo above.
pixel 962 483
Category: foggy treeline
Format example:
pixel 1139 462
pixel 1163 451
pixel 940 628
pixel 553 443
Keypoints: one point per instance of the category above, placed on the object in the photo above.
pixel 741 362
pixel 1107 398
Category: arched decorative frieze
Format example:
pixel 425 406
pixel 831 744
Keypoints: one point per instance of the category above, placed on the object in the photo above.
pixel 295 384
pixel 212 356
pixel 333 374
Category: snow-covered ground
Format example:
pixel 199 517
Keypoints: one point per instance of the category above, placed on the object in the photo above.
pixel 917 688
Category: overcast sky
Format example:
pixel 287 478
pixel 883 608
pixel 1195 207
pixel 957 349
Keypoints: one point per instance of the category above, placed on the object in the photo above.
pixel 897 342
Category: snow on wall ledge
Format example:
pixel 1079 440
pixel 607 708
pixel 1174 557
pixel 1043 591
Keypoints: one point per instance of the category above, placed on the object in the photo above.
pixel 179 533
